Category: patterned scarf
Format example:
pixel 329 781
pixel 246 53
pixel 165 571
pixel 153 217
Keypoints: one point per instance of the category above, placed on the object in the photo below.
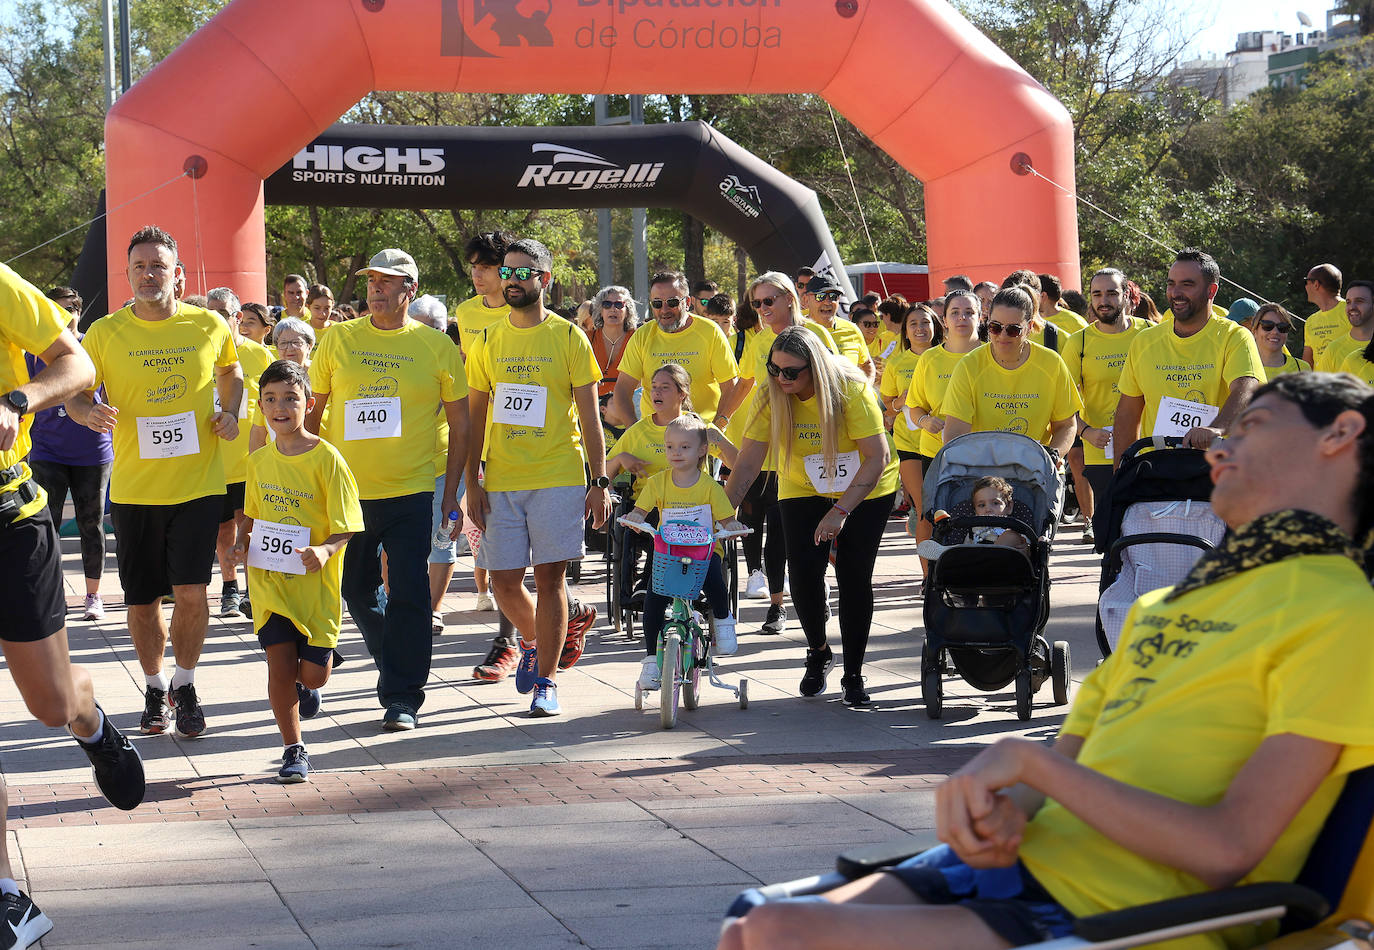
pixel 1268 539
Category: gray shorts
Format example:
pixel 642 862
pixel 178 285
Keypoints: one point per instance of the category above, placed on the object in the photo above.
pixel 449 554
pixel 538 526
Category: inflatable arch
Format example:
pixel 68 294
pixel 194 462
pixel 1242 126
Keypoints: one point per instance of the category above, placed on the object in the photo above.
pixel 688 165
pixel 241 96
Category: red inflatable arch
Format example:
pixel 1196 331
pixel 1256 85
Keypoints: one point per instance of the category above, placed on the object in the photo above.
pixel 259 81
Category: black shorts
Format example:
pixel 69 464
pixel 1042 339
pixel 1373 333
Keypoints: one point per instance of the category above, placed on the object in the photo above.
pixel 233 501
pixel 164 546
pixel 1099 477
pixel 277 629
pixel 31 579
pixel 904 456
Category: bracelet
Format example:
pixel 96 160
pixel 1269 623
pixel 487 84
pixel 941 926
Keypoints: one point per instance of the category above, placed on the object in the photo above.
pixel 845 511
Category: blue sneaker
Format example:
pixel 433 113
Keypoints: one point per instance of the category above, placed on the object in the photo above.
pixel 308 701
pixel 545 702
pixel 527 670
pixel 399 718
pixel 295 766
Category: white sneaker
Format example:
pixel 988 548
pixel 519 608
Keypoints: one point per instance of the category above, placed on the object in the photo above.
pixel 95 608
pixel 649 678
pixel 437 622
pixel 484 602
pixel 726 644
pixel 757 586
pixel 931 549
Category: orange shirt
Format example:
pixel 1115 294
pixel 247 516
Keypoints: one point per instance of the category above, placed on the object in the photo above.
pixel 608 361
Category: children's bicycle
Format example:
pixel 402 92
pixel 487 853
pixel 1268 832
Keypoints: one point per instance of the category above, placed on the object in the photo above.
pixel 682 555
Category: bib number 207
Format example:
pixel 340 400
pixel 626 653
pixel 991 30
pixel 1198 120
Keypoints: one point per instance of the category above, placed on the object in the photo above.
pixel 518 403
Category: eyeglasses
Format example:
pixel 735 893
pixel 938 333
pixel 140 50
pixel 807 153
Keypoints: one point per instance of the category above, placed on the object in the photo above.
pixel 292 344
pixel 1010 329
pixel 827 295
pixel 520 273
pixel 1310 280
pixel 789 373
pixel 763 302
pixel 71 306
pixel 703 300
pixel 612 305
pixel 672 303
pixel 1269 326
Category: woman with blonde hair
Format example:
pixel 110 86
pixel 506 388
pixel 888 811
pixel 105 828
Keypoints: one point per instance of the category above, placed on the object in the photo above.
pixel 836 485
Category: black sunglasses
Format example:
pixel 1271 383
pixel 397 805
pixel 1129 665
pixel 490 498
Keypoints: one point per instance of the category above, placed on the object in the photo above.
pixel 869 323
pixel 1010 329
pixel 671 302
pixel 827 295
pixel 520 273
pixel 789 373
pixel 1269 326
pixel 612 305
pixel 763 302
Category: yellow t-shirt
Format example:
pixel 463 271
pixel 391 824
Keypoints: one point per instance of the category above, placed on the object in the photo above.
pixel 703 503
pixel 1094 360
pixel 929 385
pixel 700 348
pixel 881 344
pixel 473 316
pixel 754 366
pixel 382 388
pixel 1199 368
pixel 1323 327
pixel 254 358
pixel 896 381
pixel 547 362
pixel 643 440
pixel 1068 322
pixel 1291 364
pixel 850 340
pixel 29 322
pixel 1356 365
pixel 862 417
pixel 1025 400
pixel 1195 687
pixel 315 490
pixel 1336 350
pixel 154 371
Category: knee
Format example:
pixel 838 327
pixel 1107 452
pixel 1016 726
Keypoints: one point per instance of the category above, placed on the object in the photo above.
pixel 54 710
pixel 766 926
pixel 312 675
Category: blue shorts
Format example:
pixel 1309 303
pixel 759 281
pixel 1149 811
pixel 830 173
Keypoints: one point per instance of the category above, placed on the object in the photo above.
pixel 448 555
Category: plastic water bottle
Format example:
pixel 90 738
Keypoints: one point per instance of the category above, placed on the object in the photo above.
pixel 441 538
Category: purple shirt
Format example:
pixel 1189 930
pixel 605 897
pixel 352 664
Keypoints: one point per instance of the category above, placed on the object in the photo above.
pixel 61 439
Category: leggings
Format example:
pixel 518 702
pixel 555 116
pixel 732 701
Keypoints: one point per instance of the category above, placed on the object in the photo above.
pixel 655 605
pixel 856 551
pixel 87 483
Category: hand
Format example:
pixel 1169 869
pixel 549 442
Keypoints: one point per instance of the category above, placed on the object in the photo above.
pixel 969 796
pixel 1000 831
pixel 598 506
pixel 238 554
pixel 9 426
pixel 830 526
pixel 314 557
pixel 1098 438
pixel 102 418
pixel 1201 437
pixel 734 524
pixel 634 517
pixel 449 507
pixel 225 425
pixel 635 466
pixel 477 503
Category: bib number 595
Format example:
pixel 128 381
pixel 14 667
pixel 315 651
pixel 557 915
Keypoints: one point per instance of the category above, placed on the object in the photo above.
pixel 167 436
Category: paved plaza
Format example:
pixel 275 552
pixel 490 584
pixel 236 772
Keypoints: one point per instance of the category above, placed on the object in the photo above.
pixel 485 827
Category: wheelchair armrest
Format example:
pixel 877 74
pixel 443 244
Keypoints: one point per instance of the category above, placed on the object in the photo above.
pixel 859 862
pixel 1307 904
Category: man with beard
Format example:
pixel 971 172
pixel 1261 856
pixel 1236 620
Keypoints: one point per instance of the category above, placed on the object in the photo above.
pixel 674 336
pixel 1359 308
pixel 820 300
pixel 1191 376
pixel 533 380
pixel 386 373
pixel 1094 356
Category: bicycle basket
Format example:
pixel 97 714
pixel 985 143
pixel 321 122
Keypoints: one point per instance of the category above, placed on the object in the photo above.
pixel 682 553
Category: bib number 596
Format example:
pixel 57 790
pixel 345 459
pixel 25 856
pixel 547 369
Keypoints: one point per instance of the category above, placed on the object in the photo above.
pixel 277 545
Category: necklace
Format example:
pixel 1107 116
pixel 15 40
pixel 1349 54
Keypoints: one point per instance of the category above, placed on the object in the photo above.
pixel 1020 354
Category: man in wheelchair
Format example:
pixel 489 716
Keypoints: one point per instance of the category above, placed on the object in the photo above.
pixel 1206 752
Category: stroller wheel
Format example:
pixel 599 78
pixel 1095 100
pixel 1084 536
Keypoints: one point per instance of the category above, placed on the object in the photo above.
pixel 1059 672
pixel 1023 694
pixel 932 687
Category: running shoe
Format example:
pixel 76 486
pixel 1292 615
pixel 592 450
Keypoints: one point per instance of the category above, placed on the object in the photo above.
pixel 295 766
pixel 545 702
pixel 776 621
pixel 852 691
pixel 229 598
pixel 1088 537
pixel 117 766
pixel 756 586
pixel 436 623
pixel 190 718
pixel 501 659
pixel 27 924
pixel 307 702
pixel 484 603
pixel 726 642
pixel 819 663
pixel 581 617
pixel 95 608
pixel 650 679
pixel 399 718
pixel 245 607
pixel 932 550
pixel 154 720
pixel 527 671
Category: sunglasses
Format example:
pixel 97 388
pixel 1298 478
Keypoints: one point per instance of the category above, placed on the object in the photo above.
pixel 703 300
pixel 763 302
pixel 827 295
pixel 672 303
pixel 869 323
pixel 1010 329
pixel 520 273
pixel 789 373
pixel 612 305
pixel 1269 326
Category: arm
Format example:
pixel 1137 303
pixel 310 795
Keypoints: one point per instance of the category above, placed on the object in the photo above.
pixel 729 405
pixel 238 554
pixel 478 401
pixel 257 438
pixel 316 413
pixel 66 373
pixel 1126 425
pixel 620 410
pixel 1307 355
pixel 315 556
pixel 1237 399
pixel 748 464
pixel 624 462
pixel 594 444
pixel 727 389
pixel 727 449
pixel 1062 433
pixel 229 386
pixel 457 413
pixel 873 458
pixel 953 428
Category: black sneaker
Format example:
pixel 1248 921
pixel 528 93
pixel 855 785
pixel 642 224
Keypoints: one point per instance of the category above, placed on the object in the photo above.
pixel 776 621
pixel 154 720
pixel 27 924
pixel 854 693
pixel 245 607
pixel 307 702
pixel 186 707
pixel 117 766
pixel 229 599
pixel 819 663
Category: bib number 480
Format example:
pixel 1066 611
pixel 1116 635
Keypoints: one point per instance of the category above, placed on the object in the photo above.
pixel 1186 420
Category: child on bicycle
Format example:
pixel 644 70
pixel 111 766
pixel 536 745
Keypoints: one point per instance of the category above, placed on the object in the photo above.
pixel 683 492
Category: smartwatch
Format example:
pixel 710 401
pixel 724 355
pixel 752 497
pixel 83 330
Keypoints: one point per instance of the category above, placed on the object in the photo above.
pixel 601 481
pixel 18 401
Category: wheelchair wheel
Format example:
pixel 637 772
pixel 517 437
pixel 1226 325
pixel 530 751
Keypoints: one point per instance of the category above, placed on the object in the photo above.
pixel 613 578
pixel 1059 672
pixel 672 671
pixel 1023 694
pixel 932 686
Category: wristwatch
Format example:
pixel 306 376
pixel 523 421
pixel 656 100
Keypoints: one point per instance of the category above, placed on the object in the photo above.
pixel 18 401
pixel 601 481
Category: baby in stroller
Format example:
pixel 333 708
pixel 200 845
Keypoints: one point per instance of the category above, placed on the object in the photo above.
pixel 991 497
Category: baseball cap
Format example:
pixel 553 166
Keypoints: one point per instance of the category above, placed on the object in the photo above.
pixel 393 261
pixel 821 283
pixel 1242 310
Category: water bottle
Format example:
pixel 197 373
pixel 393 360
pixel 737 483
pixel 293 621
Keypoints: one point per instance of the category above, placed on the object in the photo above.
pixel 441 539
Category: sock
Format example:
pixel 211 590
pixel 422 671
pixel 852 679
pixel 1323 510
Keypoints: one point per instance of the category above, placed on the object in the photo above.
pixel 293 745
pixel 9 885
pixel 181 677
pixel 90 740
pixel 231 586
pixel 157 680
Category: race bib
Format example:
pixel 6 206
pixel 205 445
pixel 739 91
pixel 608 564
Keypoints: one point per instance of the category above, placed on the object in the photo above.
pixel 516 404
pixel 1108 450
pixel 168 437
pixel 829 480
pixel 1177 416
pixel 378 418
pixel 888 350
pixel 696 514
pixel 277 547
pixel 243 405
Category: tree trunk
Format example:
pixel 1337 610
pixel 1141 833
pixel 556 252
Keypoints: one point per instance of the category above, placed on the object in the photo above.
pixel 693 249
pixel 317 247
pixel 741 275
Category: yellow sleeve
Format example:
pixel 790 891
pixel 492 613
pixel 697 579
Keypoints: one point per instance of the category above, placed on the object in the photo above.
pixel 228 354
pixel 723 365
pixel 322 366
pixel 916 392
pixel 1073 358
pixel 31 320
pixel 632 362
pixel 91 343
pixel 1128 384
pixel 721 508
pixel 960 399
pixel 862 416
pixel 888 384
pixel 1067 400
pixel 453 378
pixel 345 512
pixel 250 492
pixel 651 495
pixel 760 423
pixel 476 366
pixel 1242 357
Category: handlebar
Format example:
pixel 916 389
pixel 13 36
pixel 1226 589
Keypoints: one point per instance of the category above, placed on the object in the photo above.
pixel 646 528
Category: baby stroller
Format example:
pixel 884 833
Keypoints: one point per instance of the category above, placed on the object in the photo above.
pixel 1153 525
pixel 986 606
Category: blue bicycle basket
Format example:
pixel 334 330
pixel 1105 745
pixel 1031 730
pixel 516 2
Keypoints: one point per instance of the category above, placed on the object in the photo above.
pixel 682 553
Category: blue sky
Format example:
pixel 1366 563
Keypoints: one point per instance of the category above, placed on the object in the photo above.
pixel 1218 21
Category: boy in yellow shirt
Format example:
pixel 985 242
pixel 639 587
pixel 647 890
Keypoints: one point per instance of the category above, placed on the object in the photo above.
pixel 301 507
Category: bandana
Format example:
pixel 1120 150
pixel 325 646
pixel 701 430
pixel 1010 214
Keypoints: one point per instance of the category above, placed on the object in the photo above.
pixel 1268 539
